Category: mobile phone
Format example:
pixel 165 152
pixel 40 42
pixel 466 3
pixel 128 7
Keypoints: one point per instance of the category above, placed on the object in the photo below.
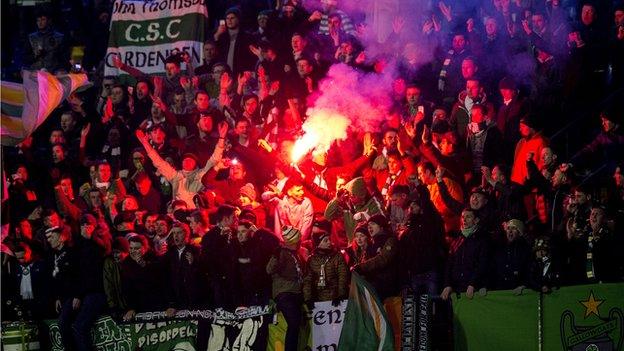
pixel 222 22
pixel 78 67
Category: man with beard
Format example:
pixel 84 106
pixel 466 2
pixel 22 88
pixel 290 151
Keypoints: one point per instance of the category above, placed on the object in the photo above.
pixel 511 260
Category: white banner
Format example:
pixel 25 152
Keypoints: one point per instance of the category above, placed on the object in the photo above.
pixel 326 321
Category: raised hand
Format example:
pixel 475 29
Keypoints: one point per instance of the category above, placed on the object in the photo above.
pixel 369 146
pixel 397 24
pixel 470 25
pixel 315 16
pixel 265 145
pixel 185 83
pixel 360 58
pixel 223 129
pixel 85 130
pixel 117 61
pixel 426 135
pixel 226 81
pixel 439 172
pixel 446 11
pixel 158 101
pixel 255 50
pixel 140 134
pixel 261 73
pixel 108 111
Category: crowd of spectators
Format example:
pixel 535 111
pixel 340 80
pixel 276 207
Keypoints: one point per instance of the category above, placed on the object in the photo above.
pixel 179 192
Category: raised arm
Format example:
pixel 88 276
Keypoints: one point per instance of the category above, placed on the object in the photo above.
pixel 163 166
pixel 136 73
pixel 218 152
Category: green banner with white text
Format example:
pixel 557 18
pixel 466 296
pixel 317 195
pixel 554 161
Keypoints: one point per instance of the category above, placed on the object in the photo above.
pixel 143 33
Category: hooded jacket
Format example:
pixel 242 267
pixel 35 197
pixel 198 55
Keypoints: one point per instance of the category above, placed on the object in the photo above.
pixel 356 187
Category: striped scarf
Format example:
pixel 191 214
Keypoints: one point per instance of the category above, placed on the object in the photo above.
pixel 389 182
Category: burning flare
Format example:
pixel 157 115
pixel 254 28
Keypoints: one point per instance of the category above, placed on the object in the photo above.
pixel 321 129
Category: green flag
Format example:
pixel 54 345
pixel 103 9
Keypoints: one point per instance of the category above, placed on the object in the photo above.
pixel 498 321
pixel 366 325
pixel 585 317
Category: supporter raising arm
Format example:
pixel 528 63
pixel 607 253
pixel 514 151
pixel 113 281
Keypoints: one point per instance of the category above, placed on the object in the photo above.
pixel 186 182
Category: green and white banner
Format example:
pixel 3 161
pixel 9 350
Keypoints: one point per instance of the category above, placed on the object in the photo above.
pixel 243 330
pixel 575 318
pixel 145 32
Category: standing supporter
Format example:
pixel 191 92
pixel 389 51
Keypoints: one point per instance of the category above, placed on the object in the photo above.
pixel 466 269
pixel 217 259
pixel 29 284
pixel 186 182
pixel 112 276
pixel 182 265
pixel 511 260
pixel 532 142
pixel 293 209
pixel 381 269
pixel 353 201
pixel 360 248
pixel 233 43
pixel 446 194
pixel 253 248
pixel 326 271
pixel 286 269
pixel 474 94
pixel 421 245
pixel 140 279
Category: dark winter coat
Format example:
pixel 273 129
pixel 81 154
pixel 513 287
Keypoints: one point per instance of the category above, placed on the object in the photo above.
pixel 381 269
pixel 467 263
pixel 336 276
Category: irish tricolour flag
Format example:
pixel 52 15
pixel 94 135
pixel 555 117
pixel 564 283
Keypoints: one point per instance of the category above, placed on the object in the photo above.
pixel 366 325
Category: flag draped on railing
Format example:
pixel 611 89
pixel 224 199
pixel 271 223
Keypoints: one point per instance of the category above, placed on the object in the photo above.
pixel 366 325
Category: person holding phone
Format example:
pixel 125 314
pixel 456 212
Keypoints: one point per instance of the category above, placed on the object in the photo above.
pixel 233 43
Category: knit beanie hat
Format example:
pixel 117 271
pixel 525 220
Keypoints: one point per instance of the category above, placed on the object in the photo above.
pixel 291 235
pixel 515 223
pixel 507 83
pixel 249 191
pixel 530 121
pixel 362 229
pixel 318 237
pixel 380 220
pixel 357 187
